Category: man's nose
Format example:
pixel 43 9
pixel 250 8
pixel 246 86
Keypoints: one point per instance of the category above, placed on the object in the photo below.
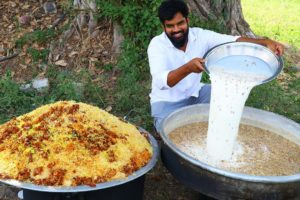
pixel 176 28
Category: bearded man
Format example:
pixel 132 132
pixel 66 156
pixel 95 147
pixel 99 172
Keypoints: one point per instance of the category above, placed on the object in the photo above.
pixel 176 60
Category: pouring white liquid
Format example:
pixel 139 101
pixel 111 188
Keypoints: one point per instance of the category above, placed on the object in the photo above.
pixel 232 79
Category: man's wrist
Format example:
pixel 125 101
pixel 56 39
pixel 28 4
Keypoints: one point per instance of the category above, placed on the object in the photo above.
pixel 187 68
pixel 266 41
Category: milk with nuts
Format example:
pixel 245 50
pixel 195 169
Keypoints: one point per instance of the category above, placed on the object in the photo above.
pixel 232 79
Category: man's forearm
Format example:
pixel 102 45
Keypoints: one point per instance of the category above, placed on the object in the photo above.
pixel 252 40
pixel 177 75
pixel 193 66
pixel 276 47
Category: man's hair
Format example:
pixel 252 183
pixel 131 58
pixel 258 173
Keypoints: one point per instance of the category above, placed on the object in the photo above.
pixel 169 8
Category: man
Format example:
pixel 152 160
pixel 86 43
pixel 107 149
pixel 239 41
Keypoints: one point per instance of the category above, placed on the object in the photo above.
pixel 175 59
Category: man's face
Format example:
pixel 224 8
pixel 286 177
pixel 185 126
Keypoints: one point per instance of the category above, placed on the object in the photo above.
pixel 177 30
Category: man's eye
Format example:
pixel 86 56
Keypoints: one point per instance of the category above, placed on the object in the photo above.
pixel 181 23
pixel 169 26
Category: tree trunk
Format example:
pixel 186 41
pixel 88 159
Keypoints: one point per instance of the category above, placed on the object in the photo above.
pixel 228 13
pixel 86 16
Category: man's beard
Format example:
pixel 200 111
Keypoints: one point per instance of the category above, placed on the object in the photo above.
pixel 179 42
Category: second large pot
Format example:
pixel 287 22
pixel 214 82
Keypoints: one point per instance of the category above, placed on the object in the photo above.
pixel 222 184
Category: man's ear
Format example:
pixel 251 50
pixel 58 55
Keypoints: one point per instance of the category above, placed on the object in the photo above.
pixel 162 26
pixel 187 20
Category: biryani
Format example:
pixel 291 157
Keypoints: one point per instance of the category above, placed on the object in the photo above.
pixel 70 144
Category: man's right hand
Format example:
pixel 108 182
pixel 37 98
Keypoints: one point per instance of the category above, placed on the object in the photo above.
pixel 195 65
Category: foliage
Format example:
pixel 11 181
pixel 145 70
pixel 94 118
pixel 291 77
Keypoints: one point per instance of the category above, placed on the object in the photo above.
pixel 139 24
pixel 38 54
pixel 12 101
pixel 272 97
pixel 77 86
pixel 63 86
pixel 279 22
pixel 39 36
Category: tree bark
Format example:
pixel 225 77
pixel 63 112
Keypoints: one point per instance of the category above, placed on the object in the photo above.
pixel 88 7
pixel 226 12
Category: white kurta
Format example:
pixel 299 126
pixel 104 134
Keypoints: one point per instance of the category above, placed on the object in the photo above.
pixel 164 57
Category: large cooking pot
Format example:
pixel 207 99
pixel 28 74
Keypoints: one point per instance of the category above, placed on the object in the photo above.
pixel 222 184
pixel 101 186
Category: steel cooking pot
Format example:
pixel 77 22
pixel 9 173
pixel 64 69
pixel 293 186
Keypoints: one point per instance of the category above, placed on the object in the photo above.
pixel 222 184
pixel 84 188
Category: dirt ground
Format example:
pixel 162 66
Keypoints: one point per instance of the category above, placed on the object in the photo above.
pixel 67 41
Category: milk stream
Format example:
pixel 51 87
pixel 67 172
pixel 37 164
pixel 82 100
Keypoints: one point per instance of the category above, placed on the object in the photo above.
pixel 232 79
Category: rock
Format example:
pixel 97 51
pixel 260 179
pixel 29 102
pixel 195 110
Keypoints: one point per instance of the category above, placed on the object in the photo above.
pixel 38 14
pixel 92 25
pixel 95 34
pixel 49 7
pixel 108 108
pixel 8 192
pixel 296 68
pixel 43 67
pixel 79 88
pixel 2 50
pixel 105 53
pixel 24 20
pixel 61 63
pixel 40 84
pixel 25 87
pixel 13 4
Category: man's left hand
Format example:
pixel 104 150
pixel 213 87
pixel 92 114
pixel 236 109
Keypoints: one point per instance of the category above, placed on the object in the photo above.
pixel 276 47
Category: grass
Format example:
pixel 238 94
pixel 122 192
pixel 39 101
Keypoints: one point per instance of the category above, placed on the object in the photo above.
pixel 272 97
pixel 38 54
pixel 39 36
pixel 64 85
pixel 276 19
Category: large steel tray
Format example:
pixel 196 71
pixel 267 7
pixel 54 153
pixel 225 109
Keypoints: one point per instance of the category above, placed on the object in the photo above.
pixel 85 188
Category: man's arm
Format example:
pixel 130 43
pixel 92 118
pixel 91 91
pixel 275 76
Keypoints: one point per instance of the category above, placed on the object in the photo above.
pixel 193 66
pixel 276 47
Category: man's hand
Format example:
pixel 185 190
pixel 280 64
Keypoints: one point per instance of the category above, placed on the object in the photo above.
pixel 276 47
pixel 195 65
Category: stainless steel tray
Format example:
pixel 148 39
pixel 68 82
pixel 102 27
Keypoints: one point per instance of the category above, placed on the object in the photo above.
pixel 85 188
pixel 218 52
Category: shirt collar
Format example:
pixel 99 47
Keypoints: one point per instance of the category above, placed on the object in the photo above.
pixel 191 37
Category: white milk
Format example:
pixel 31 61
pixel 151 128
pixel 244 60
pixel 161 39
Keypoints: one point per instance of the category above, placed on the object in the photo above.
pixel 232 79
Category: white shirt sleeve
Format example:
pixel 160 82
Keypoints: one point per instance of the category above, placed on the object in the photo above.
pixel 158 65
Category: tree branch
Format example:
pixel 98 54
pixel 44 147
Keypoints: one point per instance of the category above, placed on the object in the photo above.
pixel 9 57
